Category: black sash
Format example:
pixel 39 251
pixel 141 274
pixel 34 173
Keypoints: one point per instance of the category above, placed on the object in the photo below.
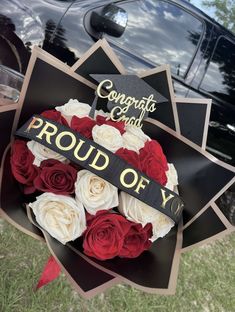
pixel 103 163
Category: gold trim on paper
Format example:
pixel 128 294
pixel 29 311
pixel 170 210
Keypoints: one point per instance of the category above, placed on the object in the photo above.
pixel 9 107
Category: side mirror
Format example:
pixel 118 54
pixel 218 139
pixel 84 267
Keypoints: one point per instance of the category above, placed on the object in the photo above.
pixel 111 20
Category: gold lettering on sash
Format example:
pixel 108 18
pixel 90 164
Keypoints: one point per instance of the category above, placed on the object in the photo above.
pixel 99 161
pixel 77 149
pixel 45 131
pixel 176 206
pixel 165 199
pixel 97 157
pixel 141 185
pixel 33 125
pixel 60 136
pixel 123 175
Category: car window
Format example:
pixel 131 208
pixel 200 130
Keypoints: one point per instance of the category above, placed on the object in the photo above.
pixel 161 33
pixel 219 79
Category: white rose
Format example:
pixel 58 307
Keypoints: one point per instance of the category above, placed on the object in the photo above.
pixel 138 212
pixel 41 153
pixel 100 112
pixel 74 108
pixel 134 138
pixel 61 216
pixel 172 177
pixel 108 137
pixel 95 193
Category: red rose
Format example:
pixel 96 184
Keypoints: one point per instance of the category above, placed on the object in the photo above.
pixel 56 177
pixel 22 165
pixel 120 125
pixel 83 125
pixel 130 157
pixel 55 115
pixel 136 240
pixel 104 236
pixel 153 161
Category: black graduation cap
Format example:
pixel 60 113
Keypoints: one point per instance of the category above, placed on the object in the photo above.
pixel 131 86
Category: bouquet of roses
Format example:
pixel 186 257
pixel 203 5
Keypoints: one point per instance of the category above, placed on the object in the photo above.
pixel 100 192
pixel 73 202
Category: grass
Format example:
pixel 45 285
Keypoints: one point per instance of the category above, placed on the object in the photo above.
pixel 206 282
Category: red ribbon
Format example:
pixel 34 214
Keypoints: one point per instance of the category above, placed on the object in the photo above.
pixel 50 272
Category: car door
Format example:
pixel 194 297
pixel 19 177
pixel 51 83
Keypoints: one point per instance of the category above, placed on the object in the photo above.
pixel 161 32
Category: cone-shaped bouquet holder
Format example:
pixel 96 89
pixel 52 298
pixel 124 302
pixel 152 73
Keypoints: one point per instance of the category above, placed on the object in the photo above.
pixel 179 125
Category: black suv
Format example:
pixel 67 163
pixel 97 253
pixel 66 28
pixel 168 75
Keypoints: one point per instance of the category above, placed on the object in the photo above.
pixel 200 51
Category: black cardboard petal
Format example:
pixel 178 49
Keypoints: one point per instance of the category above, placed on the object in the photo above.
pixel 99 59
pixel 6 122
pixel 164 112
pixel 50 87
pixel 206 225
pixel 103 66
pixel 192 121
pixel 54 89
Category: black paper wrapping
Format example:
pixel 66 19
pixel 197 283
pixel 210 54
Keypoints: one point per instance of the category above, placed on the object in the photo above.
pixel 202 178
pixel 7 115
